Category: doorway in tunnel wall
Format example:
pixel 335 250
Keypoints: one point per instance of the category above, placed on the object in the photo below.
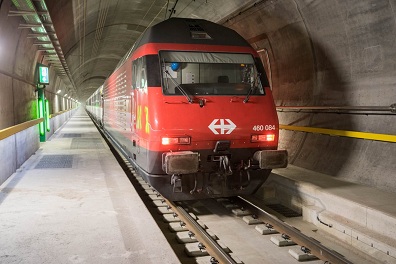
pixel 264 56
pixel 263 48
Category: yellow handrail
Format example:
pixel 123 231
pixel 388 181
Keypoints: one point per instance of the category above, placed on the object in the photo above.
pixel 342 133
pixel 9 131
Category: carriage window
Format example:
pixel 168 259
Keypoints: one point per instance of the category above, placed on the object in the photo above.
pixel 139 73
pixel 145 72
pixel 201 73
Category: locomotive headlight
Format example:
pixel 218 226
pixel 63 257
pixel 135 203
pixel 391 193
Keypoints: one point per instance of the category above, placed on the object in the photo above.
pixel 184 140
pixel 263 138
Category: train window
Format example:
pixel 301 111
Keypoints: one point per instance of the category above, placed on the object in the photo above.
pixel 145 72
pixel 153 71
pixel 209 73
pixel 139 73
pixel 134 73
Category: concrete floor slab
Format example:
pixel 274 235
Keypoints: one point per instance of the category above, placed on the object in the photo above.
pixel 87 213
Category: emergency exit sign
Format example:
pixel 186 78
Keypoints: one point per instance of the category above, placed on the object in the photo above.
pixel 43 75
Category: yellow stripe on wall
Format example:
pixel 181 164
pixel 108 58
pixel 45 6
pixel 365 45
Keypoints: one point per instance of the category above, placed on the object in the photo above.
pixel 342 133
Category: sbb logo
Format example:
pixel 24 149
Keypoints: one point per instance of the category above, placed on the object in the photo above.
pixel 222 126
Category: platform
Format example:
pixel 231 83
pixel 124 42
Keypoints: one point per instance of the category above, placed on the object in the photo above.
pixel 72 203
pixel 361 216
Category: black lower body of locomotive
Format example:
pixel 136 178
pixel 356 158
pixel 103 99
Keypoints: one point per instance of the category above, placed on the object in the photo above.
pixel 201 174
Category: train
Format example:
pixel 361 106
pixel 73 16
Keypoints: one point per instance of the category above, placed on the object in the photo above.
pixel 191 107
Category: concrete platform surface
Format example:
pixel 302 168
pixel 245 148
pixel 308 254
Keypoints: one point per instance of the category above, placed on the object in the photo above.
pixel 361 216
pixel 72 203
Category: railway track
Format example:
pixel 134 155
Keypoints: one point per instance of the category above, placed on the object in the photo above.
pixel 201 245
pixel 310 247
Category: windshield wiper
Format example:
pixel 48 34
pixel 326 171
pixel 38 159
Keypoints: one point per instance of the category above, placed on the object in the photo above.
pixel 189 99
pixel 252 88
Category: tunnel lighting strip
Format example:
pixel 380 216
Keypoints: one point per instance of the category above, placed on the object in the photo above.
pixel 342 133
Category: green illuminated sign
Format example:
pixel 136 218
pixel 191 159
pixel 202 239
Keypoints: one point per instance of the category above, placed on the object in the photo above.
pixel 41 115
pixel 43 74
pixel 47 120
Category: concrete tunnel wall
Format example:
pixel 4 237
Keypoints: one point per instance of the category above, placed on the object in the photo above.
pixel 18 58
pixel 331 53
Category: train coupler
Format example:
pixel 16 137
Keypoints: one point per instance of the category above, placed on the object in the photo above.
pixel 225 166
pixel 176 181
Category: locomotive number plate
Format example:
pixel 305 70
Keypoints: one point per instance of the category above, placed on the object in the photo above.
pixel 264 127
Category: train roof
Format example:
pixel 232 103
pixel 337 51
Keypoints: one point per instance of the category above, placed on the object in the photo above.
pixel 188 31
pixel 191 31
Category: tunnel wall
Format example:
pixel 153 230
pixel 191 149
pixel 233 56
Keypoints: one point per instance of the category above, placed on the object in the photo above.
pixel 330 53
pixel 18 58
pixel 16 149
pixel 57 121
pixel 17 55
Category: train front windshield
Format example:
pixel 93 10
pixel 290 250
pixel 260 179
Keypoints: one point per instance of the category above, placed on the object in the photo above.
pixel 203 73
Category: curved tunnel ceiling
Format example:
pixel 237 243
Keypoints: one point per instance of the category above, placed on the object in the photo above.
pixel 95 35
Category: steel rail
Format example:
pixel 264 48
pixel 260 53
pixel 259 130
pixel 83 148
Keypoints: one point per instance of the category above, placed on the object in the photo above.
pixel 215 250
pixel 295 235
pixel 211 246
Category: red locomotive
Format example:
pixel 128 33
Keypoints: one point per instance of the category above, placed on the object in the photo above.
pixel 190 105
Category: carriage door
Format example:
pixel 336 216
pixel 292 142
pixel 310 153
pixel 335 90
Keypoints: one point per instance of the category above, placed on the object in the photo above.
pixel 133 98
